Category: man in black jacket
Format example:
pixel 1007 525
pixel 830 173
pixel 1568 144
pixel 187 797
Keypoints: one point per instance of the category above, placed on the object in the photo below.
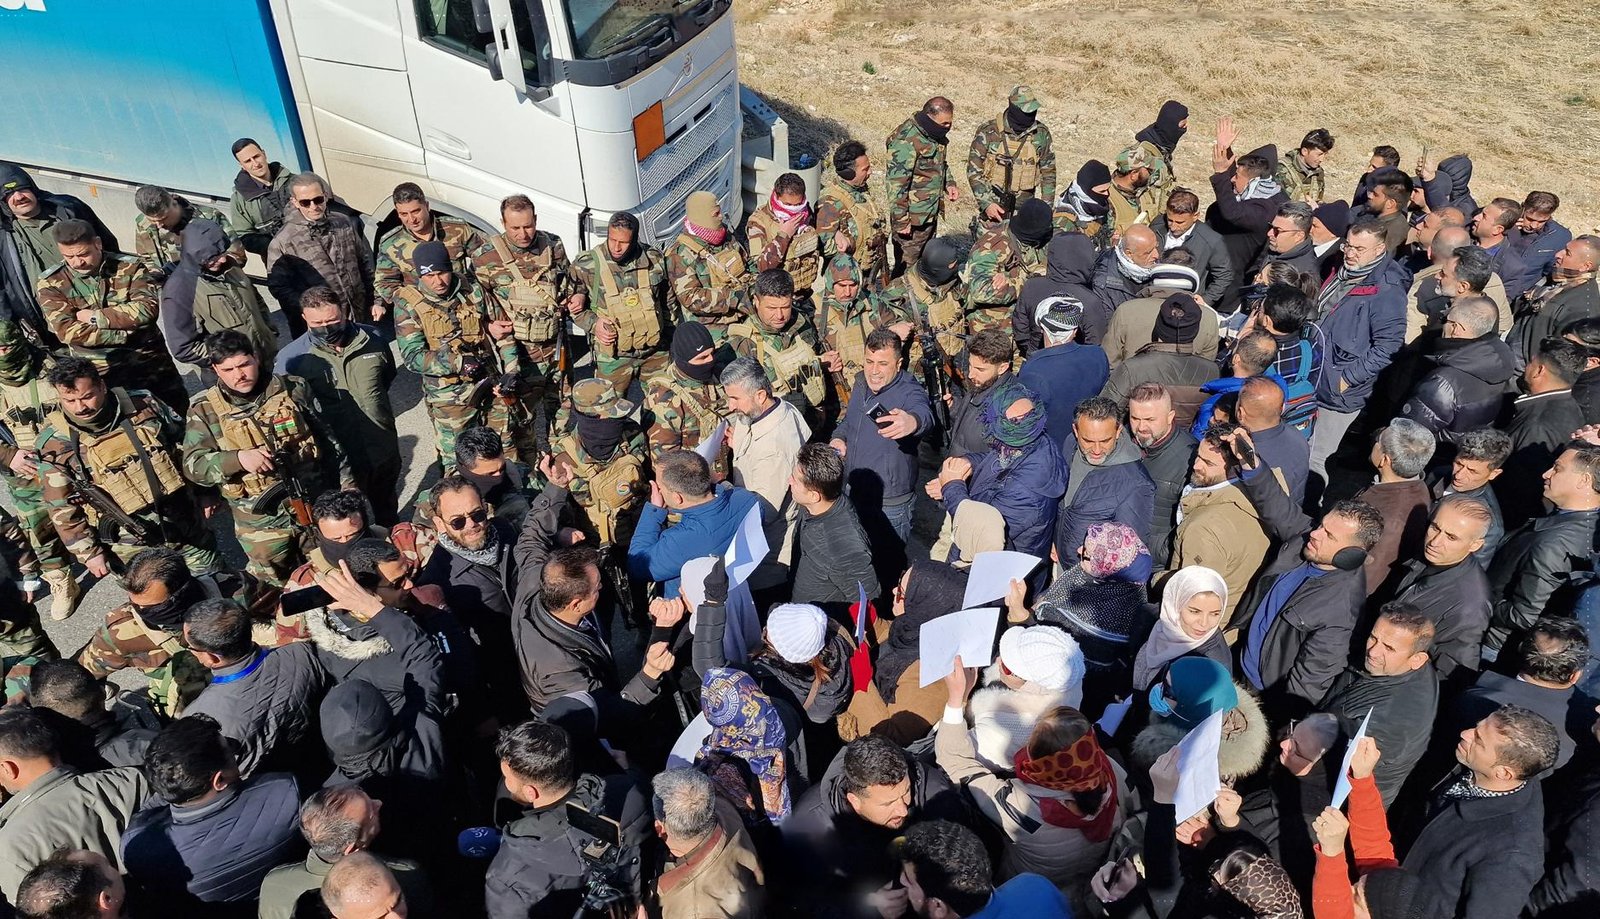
pixel 1541 424
pixel 1181 226
pixel 989 357
pixel 1289 242
pixel 1168 452
pixel 89 732
pixel 832 556
pixel 1537 558
pixel 1550 661
pixel 1466 385
pixel 1482 849
pixel 26 247
pixel 1247 198
pixel 1569 294
pixel 538 870
pixel 1572 875
pixel 1296 624
pixel 1448 585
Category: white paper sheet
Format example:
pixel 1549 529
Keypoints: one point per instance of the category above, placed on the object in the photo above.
pixel 1199 772
pixel 748 548
pixel 1341 788
pixel 710 447
pixel 1111 718
pixel 968 633
pixel 992 573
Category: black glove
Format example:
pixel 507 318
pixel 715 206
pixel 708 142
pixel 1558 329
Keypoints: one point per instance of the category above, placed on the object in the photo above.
pixel 717 583
pixel 510 384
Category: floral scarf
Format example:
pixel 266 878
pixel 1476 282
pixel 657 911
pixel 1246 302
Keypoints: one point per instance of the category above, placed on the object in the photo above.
pixel 1083 766
pixel 745 724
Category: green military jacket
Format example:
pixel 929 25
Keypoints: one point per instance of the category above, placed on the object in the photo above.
pixel 124 333
pixel 211 457
pixel 256 210
pixel 1162 178
pixel 917 176
pixel 1300 182
pixel 998 265
pixel 1033 163
pixel 160 248
pixel 352 386
pixel 394 269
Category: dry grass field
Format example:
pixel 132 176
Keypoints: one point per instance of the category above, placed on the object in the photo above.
pixel 1513 84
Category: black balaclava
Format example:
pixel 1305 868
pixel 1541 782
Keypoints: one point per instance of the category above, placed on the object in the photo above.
pixel 599 436
pixel 933 129
pixel 168 614
pixel 1165 131
pixel 1018 121
pixel 938 262
pixel 1091 175
pixel 688 340
pixel 1032 225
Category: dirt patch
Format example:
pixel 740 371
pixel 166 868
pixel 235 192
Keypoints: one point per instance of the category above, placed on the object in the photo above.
pixel 1508 83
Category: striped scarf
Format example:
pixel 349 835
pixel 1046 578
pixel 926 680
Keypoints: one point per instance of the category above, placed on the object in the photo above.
pixel 714 237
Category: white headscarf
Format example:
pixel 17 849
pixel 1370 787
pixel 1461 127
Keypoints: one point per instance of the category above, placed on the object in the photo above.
pixel 1168 640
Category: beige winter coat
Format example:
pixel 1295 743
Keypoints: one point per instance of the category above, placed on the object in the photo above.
pixel 764 455
pixel 1219 528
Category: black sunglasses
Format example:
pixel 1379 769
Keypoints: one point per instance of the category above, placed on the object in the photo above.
pixel 311 202
pixel 460 520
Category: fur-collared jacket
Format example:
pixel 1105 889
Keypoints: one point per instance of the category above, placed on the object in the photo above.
pixel 389 651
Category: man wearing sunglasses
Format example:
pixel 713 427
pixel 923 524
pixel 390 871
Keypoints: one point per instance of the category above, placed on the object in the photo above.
pixel 318 245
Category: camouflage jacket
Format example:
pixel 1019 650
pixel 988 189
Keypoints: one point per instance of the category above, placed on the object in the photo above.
pixel 159 248
pixel 433 355
pixel 939 311
pixel 1300 182
pixel 125 640
pixel 798 253
pixel 609 521
pixel 791 357
pixel 505 282
pixel 844 327
pixel 697 287
pixel 917 176
pixel 1162 179
pixel 586 277
pixel 318 460
pixel 679 412
pixel 1033 171
pixel 394 270
pixel 997 267
pixel 844 207
pixel 125 302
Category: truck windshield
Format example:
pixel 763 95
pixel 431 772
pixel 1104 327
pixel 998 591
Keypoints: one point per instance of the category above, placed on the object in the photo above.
pixel 601 28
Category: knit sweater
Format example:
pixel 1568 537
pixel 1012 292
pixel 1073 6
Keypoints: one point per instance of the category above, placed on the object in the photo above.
pixel 1332 896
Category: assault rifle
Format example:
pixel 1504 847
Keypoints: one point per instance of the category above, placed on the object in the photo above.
pixel 289 486
pixel 85 493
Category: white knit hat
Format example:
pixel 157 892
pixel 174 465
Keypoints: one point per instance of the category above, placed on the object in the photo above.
pixel 1043 655
pixel 797 631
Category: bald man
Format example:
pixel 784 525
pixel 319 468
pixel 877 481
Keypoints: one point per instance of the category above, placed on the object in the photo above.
pixel 359 886
pixel 1568 294
pixel 1467 385
pixel 1429 299
pixel 1123 276
pixel 1259 411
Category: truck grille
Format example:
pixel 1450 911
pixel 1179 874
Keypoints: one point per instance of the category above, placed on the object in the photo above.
pixel 686 153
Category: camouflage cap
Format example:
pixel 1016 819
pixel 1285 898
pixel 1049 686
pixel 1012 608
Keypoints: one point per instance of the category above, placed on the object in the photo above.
pixel 843 268
pixel 1023 98
pixel 1132 158
pixel 599 398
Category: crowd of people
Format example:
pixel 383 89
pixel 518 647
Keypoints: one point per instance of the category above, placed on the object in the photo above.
pixel 1315 480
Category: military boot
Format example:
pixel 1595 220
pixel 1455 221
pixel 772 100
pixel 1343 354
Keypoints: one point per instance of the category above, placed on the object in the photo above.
pixel 65 592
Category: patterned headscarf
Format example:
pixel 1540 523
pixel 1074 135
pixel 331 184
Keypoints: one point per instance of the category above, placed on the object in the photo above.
pixel 1013 433
pixel 1111 548
pixel 1082 766
pixel 745 724
pixel 1265 889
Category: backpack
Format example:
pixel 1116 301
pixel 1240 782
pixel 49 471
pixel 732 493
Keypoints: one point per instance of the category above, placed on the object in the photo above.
pixel 1300 390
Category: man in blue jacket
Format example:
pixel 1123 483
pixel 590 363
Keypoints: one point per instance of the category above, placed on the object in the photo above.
pixel 1106 480
pixel 1363 306
pixel 707 519
pixel 1064 372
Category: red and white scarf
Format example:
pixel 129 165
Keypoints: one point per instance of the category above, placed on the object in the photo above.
pixel 714 237
pixel 786 213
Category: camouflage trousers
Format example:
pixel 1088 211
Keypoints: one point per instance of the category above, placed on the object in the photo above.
pixel 274 545
pixel 123 641
pixel 525 426
pixel 451 410
pixel 28 495
pixel 16 552
pixel 989 316
pixel 623 371
pixel 193 540
pixel 907 249
pixel 23 643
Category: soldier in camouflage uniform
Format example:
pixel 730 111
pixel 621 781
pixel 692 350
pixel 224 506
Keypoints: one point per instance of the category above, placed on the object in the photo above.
pixel 260 438
pixel 158 230
pixel 849 313
pixel 625 283
pixel 1159 140
pixel 786 345
pixel 394 269
pixel 147 631
pixel 933 295
pixel 683 403
pixel 460 343
pixel 610 465
pixel 340 519
pixel 25 400
pixel 1300 173
pixel 1132 198
pixel 1085 206
pixel 780 235
pixel 850 221
pixel 124 446
pixel 23 640
pixel 918 179
pixel 103 307
pixel 527 273
pixel 1011 160
pixel 709 268
pixel 1005 256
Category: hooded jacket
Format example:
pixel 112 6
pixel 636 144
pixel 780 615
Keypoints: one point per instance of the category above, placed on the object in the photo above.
pixel 397 657
pixel 1133 325
pixel 1068 272
pixel 367 739
pixel 1062 377
pixel 1361 333
pixel 333 253
pixel 1465 389
pixel 1451 186
pixel 1118 490
pixel 1026 493
pixel 196 303
pixel 1219 528
pixel 17 298
pixel 1241 753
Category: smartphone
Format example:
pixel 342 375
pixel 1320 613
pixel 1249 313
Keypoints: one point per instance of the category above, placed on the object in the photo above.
pixel 877 412
pixel 304 600
pixel 1245 453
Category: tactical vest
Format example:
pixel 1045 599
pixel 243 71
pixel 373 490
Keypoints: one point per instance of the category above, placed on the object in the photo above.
pixel 245 429
pixel 869 252
pixel 632 308
pixel 947 315
pixel 128 460
pixel 848 337
pixel 706 416
pixel 612 485
pixel 792 368
pixel 801 261
pixel 1024 162
pixel 530 298
pixel 25 408
pixel 463 323
pixel 726 266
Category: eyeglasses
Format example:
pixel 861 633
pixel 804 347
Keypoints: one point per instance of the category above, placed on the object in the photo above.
pixel 1275 230
pixel 318 201
pixel 478 516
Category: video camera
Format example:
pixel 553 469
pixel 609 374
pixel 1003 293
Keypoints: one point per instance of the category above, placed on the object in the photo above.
pixel 607 888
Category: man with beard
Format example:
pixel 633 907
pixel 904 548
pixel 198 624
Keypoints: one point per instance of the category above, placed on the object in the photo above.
pixel 1217 526
pixel 1132 201
pixel 850 313
pixel 849 220
pixel 103 307
pixel 1084 205
pixel 208 292
pixel 1159 140
pixel 507 486
pixel 780 235
pixel 318 247
pixel 1247 198
pixel 1289 241
pixel 397 267
pixel 709 268
pixel 683 403
pixel 1168 452
pixel 766 434
pixel 785 343
pixel 626 285
pixel 348 368
pixel 27 249
pixel 1006 255
pixel 1105 482
pixel 989 357
pixel 126 444
pixel 146 632
pixel 1010 160
pixel 260 197
pixel 158 229
pixel 605 450
pixel 256 436
pixel 918 179
pixel 26 400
